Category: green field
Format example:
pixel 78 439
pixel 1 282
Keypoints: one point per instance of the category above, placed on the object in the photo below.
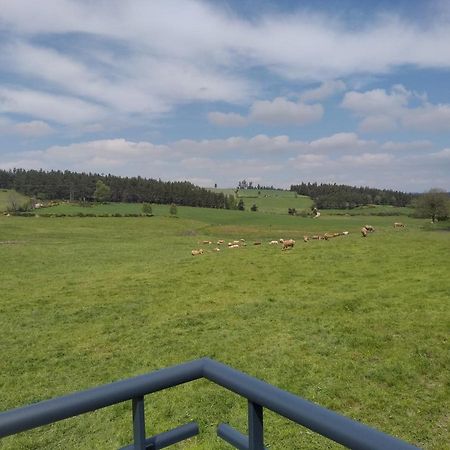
pixel 270 200
pixel 357 325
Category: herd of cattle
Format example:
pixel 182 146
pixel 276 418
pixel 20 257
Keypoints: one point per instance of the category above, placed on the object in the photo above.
pixel 286 244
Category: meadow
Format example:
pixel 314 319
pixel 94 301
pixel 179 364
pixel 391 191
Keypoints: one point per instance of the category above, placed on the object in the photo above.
pixel 357 325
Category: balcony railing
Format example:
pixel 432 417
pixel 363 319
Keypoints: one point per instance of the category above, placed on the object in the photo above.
pixel 259 395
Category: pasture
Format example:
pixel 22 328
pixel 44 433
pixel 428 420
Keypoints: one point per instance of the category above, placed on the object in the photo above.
pixel 273 201
pixel 358 325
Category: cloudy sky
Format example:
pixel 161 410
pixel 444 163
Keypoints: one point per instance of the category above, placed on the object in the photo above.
pixel 277 92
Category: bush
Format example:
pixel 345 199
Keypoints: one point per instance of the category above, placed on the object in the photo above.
pixel 173 209
pixel 147 208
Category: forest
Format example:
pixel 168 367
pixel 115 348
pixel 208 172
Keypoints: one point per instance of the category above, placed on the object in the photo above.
pixel 66 185
pixel 341 196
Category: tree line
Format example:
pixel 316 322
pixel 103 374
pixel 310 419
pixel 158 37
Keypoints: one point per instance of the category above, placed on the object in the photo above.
pixel 341 196
pixel 67 185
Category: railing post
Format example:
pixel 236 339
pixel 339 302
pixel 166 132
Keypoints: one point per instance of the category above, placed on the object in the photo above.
pixel 255 426
pixel 138 423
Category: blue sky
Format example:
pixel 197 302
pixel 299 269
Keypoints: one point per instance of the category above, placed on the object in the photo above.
pixel 277 92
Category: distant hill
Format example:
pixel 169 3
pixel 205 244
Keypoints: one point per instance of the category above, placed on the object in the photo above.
pixel 341 196
pixel 275 201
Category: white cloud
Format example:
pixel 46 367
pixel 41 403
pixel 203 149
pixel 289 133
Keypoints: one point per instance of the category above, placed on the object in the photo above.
pixel 368 159
pixel 378 123
pixel 383 111
pixel 279 111
pixel 377 101
pixel 227 119
pixel 325 90
pixel 46 106
pixel 34 128
pixel 443 154
pixel 282 111
pixel 341 158
pixel 408 146
pixel 143 57
pixel 348 142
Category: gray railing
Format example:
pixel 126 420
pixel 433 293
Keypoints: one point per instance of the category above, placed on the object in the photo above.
pixel 259 395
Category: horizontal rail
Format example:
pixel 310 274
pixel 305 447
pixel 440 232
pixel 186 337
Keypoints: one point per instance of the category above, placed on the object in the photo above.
pixel 49 411
pixel 168 438
pixel 233 437
pixel 334 426
pixel 343 430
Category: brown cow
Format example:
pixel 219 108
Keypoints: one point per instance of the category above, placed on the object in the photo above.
pixel 288 244
pixel 369 228
pixel 399 225
pixel 364 232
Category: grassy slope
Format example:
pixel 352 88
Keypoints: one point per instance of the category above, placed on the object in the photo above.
pixel 357 325
pixel 4 198
pixel 270 201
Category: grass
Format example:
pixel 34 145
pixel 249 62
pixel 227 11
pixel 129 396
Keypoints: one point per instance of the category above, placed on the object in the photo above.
pixel 357 325
pixel 270 200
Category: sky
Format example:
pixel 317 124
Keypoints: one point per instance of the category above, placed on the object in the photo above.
pixel 214 92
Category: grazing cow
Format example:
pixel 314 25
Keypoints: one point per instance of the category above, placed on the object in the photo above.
pixel 217 249
pixel 315 236
pixel 257 243
pixel 364 232
pixel 220 241
pixel 236 242
pixel 305 238
pixel 207 242
pixel 233 246
pixel 273 242
pixel 345 233
pixel 242 240
pixel 369 228
pixel 399 225
pixel 288 244
pixel 197 252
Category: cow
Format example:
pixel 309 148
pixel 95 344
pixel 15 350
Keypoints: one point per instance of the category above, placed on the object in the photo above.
pixel 220 241
pixel 399 225
pixel 197 252
pixel 257 243
pixel 345 233
pixel 233 246
pixel 369 228
pixel 273 243
pixel 288 244
pixel 305 238
pixel 364 232
pixel 217 249
pixel 207 242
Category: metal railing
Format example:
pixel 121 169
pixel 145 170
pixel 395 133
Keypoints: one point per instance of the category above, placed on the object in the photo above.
pixel 259 395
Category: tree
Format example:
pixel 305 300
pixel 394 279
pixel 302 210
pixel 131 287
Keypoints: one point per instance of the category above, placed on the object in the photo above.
pixel 102 192
pixel 14 203
pixel 147 208
pixel 173 209
pixel 434 204
pixel 241 206
pixel 254 207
